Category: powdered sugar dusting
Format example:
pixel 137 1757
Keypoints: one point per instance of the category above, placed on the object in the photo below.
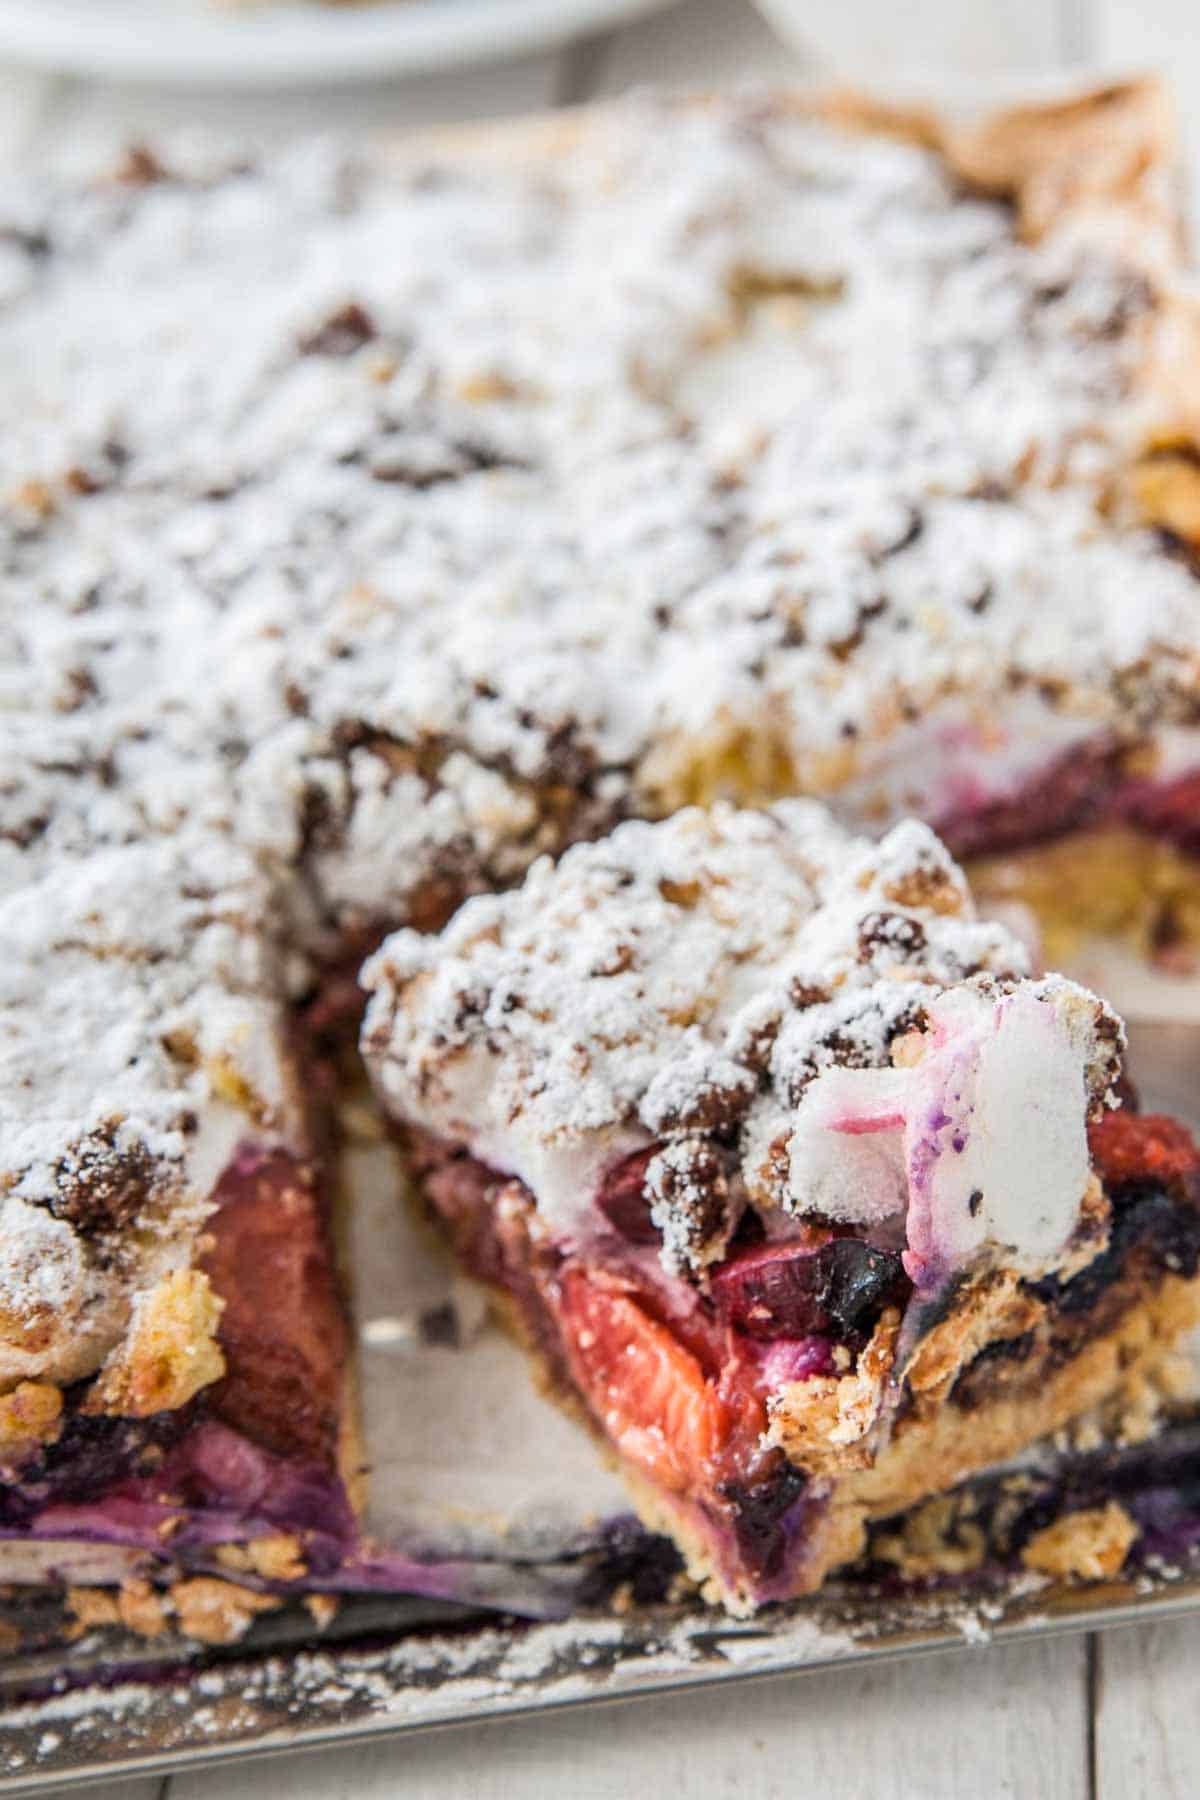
pixel 373 523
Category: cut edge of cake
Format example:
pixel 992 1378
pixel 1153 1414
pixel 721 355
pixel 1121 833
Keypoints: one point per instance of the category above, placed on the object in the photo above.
pixel 781 1163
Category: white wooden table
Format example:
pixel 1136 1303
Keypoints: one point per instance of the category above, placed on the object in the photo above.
pixel 1109 1716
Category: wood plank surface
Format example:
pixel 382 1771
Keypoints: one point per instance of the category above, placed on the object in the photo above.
pixel 1146 1736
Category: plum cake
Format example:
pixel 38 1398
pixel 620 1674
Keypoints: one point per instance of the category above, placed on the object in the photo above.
pixel 377 519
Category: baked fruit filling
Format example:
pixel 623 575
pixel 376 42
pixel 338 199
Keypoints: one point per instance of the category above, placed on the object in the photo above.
pixel 799 1190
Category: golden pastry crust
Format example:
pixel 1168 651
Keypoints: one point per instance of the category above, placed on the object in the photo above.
pixel 935 1450
pixel 1095 162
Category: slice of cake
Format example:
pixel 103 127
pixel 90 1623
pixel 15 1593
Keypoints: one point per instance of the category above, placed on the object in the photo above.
pixel 797 1185
pixel 173 1354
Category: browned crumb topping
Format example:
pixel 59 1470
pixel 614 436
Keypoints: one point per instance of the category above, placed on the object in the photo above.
pixel 170 1352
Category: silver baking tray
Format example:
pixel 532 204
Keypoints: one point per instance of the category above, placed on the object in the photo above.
pixel 449 1418
pixel 434 1671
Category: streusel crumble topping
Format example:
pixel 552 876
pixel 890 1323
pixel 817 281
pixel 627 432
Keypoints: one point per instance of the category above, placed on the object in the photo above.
pixel 371 522
pixel 769 1005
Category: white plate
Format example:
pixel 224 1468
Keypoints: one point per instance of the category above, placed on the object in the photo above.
pixel 271 44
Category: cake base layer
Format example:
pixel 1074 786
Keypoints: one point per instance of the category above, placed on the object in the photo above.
pixel 929 1455
pixel 754 1528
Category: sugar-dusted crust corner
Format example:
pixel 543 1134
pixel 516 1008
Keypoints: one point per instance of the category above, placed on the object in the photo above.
pixel 1102 156
pixel 1099 166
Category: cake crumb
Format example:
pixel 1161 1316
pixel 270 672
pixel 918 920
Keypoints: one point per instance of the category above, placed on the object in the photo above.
pixel 322 1608
pixel 215 1611
pixel 938 1538
pixel 30 1414
pixel 93 1606
pixel 1090 1545
pixel 277 1557
pixel 140 1608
